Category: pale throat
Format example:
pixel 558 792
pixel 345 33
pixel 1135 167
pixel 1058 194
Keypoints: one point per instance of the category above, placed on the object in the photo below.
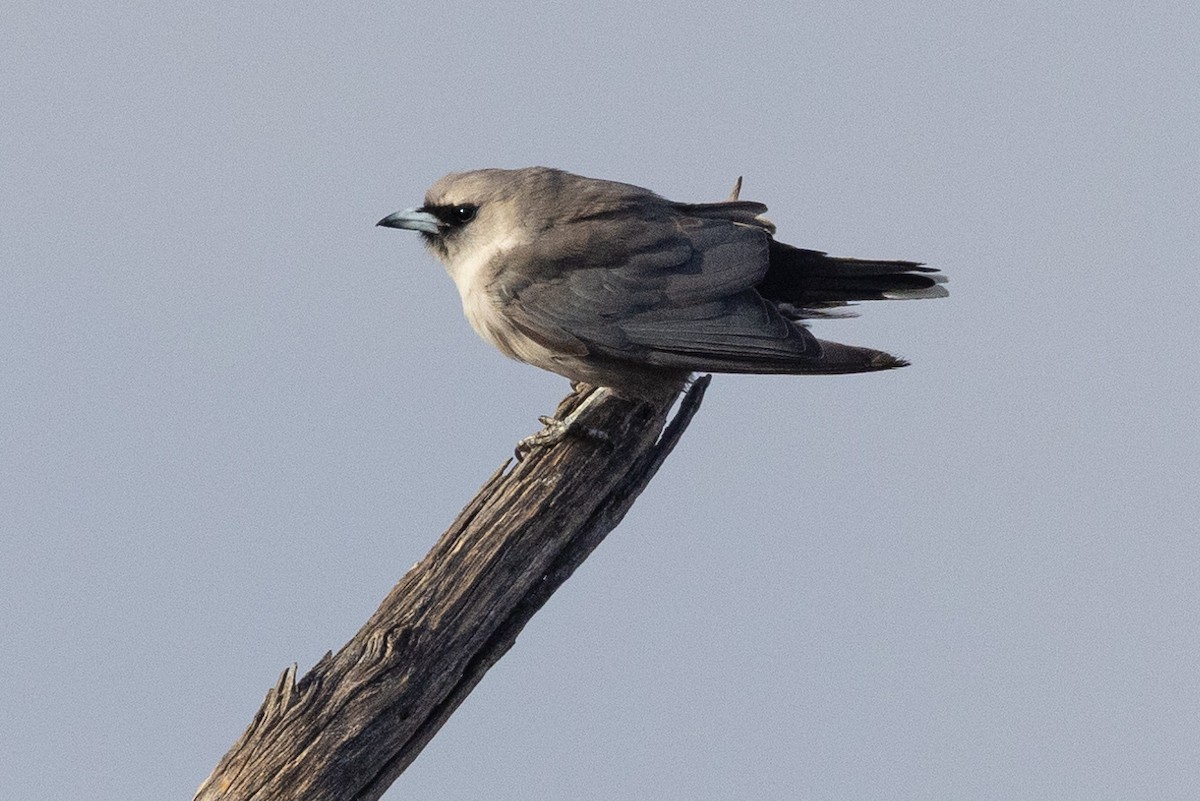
pixel 469 272
pixel 472 275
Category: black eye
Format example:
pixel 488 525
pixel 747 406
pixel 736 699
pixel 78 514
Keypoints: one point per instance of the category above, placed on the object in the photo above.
pixel 451 215
pixel 461 215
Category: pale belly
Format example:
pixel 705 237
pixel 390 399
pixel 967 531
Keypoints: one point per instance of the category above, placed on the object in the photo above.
pixel 489 322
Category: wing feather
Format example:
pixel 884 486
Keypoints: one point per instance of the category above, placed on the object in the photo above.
pixel 673 290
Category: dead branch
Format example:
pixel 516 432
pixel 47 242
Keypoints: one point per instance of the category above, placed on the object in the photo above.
pixel 354 722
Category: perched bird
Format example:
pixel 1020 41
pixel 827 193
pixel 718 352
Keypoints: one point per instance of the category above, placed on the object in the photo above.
pixel 613 285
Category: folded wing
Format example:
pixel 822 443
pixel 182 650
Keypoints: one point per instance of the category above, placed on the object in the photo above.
pixel 678 288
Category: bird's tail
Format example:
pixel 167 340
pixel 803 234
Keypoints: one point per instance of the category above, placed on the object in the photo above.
pixel 812 280
pixel 805 284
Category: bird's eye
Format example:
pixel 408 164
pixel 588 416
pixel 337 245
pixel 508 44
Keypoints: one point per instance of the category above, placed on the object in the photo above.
pixel 451 216
pixel 461 215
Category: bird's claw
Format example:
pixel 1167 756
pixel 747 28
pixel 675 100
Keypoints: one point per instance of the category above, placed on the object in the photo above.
pixel 554 432
pixel 557 430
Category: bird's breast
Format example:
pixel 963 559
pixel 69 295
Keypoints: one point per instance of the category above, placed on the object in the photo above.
pixel 484 310
pixel 485 316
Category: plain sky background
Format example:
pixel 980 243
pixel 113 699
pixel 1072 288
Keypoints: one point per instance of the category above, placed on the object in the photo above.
pixel 233 412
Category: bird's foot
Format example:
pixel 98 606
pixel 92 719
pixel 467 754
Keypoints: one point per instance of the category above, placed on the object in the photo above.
pixel 557 430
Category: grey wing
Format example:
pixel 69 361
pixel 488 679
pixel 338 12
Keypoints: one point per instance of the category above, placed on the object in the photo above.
pixel 676 291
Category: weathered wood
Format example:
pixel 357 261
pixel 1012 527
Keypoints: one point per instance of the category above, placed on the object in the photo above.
pixel 349 727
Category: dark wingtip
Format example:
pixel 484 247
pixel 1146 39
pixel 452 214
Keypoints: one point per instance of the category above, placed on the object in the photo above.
pixel 886 361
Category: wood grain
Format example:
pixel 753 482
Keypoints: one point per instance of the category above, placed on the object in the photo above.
pixel 359 717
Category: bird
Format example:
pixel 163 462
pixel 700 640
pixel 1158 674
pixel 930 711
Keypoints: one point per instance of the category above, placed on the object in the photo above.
pixel 614 286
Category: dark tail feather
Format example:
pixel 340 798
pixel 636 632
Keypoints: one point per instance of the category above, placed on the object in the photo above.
pixel 812 279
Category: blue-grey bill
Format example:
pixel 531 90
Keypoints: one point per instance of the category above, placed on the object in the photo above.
pixel 411 219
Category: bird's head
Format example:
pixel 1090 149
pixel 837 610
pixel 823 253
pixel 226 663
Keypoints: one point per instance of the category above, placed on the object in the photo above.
pixel 469 215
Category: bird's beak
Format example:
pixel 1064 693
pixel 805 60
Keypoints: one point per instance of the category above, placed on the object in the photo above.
pixel 413 220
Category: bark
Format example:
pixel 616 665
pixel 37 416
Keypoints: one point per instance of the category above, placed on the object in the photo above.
pixel 359 717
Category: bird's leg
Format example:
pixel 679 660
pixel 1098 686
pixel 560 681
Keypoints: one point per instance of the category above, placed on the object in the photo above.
pixel 556 430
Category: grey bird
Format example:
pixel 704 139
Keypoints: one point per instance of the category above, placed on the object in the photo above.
pixel 613 285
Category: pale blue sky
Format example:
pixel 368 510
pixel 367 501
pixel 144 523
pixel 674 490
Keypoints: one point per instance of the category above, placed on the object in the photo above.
pixel 233 412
